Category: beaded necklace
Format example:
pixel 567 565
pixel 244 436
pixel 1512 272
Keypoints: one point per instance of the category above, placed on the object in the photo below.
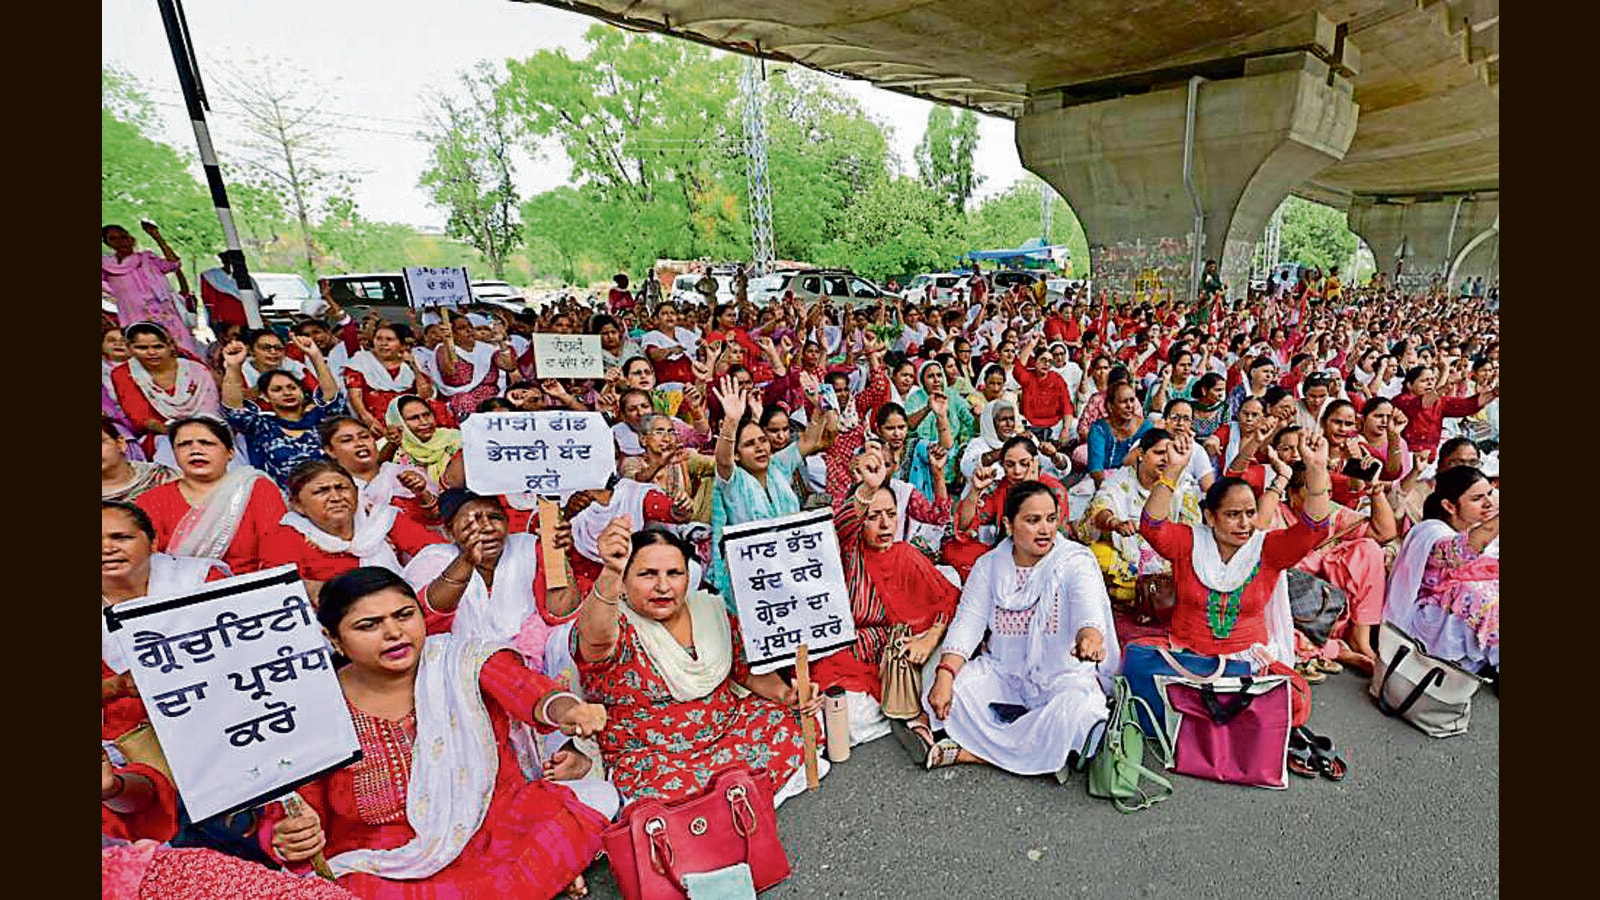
pixel 1222 609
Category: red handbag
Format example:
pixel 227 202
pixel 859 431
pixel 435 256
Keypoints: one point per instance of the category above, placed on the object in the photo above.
pixel 655 843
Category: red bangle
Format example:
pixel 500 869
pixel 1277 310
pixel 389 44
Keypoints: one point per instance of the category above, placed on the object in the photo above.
pixel 946 667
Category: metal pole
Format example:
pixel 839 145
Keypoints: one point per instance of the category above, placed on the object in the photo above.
pixel 1199 238
pixel 194 99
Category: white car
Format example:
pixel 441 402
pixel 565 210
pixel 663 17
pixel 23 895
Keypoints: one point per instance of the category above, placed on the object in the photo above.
pixel 769 287
pixel 944 287
pixel 498 293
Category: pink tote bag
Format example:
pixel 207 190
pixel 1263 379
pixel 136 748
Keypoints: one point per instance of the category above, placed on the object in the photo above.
pixel 1232 730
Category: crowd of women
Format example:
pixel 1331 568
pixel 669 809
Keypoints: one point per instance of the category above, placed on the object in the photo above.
pixel 1013 478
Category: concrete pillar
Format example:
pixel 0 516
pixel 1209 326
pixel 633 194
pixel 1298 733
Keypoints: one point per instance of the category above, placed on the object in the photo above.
pixel 1480 256
pixel 1427 233
pixel 1119 163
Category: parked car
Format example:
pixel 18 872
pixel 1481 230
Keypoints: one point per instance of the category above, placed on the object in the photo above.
pixel 835 285
pixel 944 286
pixel 384 292
pixel 768 287
pixel 500 294
pixel 1005 279
pixel 282 294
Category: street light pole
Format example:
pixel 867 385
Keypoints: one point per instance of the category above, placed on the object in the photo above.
pixel 195 101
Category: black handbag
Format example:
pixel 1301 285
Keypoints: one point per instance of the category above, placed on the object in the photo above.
pixel 1315 605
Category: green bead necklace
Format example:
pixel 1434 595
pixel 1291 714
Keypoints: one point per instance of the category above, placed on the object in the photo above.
pixel 1222 610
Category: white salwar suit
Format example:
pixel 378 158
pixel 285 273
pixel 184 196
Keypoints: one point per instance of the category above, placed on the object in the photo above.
pixel 1033 617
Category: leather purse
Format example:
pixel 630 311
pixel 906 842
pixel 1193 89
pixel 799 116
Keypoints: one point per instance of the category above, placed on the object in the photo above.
pixel 656 843
pixel 1154 598
pixel 1315 605
pixel 901 681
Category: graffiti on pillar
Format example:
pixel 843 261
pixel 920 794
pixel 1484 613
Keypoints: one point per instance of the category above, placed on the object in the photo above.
pixel 1139 266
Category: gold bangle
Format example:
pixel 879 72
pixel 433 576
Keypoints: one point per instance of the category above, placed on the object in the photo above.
pixel 448 580
pixel 594 593
pixel 1171 485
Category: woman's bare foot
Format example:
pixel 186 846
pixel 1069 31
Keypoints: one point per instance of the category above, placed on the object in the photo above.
pixel 1354 659
pixel 567 764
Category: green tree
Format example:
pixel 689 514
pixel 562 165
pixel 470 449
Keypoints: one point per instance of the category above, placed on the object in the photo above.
pixel 143 178
pixel 897 227
pixel 1316 235
pixel 647 125
pixel 469 172
pixel 944 156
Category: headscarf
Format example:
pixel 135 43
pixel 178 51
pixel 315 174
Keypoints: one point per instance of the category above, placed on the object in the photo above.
pixel 432 455
pixel 962 425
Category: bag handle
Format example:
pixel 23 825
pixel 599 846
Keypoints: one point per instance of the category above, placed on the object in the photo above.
pixel 1220 713
pixel 1326 590
pixel 1435 676
pixel 1222 665
pixel 1388 672
pixel 1162 745
pixel 1144 800
pixel 662 856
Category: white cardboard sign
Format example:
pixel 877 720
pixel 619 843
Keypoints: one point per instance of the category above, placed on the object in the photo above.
pixel 545 452
pixel 789 588
pixel 432 287
pixel 568 356
pixel 239 684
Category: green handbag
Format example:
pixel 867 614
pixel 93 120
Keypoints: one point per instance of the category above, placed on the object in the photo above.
pixel 1117 770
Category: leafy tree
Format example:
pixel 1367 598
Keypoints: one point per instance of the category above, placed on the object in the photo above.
pixel 944 156
pixel 142 178
pixel 897 227
pixel 469 170
pixel 1316 235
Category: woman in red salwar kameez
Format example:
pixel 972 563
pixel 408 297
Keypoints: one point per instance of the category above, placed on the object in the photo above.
pixel 213 511
pixel 891 583
pixel 459 820
pixel 374 378
pixel 664 662
pixel 326 533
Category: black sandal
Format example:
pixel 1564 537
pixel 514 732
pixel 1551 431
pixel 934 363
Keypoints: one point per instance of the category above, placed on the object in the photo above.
pixel 1326 758
pixel 1301 761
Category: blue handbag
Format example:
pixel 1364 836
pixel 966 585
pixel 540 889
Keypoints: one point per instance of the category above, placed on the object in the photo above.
pixel 1141 663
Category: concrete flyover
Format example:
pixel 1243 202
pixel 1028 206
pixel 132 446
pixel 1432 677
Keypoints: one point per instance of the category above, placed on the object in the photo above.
pixel 1362 104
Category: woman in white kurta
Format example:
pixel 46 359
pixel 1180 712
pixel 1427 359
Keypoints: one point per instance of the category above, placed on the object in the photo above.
pixel 1033 696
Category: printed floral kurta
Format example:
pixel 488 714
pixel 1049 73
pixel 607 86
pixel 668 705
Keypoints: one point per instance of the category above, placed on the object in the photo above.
pixel 655 746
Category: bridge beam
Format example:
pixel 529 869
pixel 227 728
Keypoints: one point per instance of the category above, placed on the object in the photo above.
pixel 1428 234
pixel 1119 163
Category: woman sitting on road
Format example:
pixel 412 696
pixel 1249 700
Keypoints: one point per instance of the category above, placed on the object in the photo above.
pixel 998 423
pixel 1111 438
pixel 1230 597
pixel 156 386
pixel 284 435
pixel 1445 587
pixel 423 443
pixel 979 515
pixel 665 663
pixel 1110 525
pixel 380 483
pixel 1027 703
pixel 326 532
pixel 463 822
pixel 120 477
pixel 213 511
pixel 374 378
pixel 890 583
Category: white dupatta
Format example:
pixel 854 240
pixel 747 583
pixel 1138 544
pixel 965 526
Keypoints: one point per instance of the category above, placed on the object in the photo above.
pixel 481 357
pixel 689 677
pixel 370 544
pixel 1228 577
pixel 208 529
pixel 193 393
pixel 385 486
pixel 627 498
pixel 454 765
pixel 378 377
pixel 484 615
pixel 168 575
pixel 1405 580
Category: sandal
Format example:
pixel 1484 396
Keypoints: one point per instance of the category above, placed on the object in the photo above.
pixel 1327 666
pixel 1300 760
pixel 1310 672
pixel 916 738
pixel 1326 757
pixel 945 753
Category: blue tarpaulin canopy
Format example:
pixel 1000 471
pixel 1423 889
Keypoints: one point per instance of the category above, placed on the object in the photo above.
pixel 1034 249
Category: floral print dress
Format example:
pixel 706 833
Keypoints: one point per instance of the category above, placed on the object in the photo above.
pixel 655 746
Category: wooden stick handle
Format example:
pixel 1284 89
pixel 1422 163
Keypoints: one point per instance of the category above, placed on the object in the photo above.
pixel 808 726
pixel 555 560
pixel 319 863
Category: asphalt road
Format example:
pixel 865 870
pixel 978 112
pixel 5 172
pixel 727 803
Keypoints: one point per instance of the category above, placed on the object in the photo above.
pixel 1417 816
